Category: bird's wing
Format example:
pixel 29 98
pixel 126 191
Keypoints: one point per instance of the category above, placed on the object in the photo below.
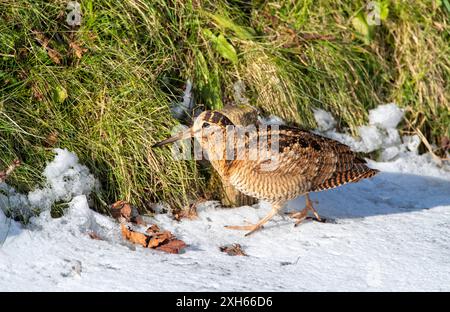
pixel 324 162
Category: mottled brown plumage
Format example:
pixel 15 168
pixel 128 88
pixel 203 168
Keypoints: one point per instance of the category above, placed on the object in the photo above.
pixel 293 161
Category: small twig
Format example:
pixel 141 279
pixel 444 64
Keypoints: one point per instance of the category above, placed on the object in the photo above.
pixel 5 173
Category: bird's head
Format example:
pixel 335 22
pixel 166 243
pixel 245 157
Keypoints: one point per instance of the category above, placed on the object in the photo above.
pixel 204 125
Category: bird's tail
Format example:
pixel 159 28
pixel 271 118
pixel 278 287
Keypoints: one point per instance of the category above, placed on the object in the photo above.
pixel 357 173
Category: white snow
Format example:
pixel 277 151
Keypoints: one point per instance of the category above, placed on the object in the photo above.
pixel 65 178
pixel 381 133
pixel 371 137
pixel 239 93
pixel 271 120
pixel 386 116
pixel 324 119
pixel 387 233
pixel 181 109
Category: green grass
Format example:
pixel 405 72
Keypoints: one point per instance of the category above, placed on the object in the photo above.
pixel 113 103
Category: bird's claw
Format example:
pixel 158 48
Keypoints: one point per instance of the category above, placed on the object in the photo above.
pixel 321 220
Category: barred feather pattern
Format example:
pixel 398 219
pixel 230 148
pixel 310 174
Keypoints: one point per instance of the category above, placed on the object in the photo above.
pixel 304 162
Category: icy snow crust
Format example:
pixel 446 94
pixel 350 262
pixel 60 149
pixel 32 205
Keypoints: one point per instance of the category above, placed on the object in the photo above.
pixel 387 233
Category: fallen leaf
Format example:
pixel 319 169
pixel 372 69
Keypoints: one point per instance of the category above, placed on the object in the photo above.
pixel 190 213
pixel 37 94
pixel 134 237
pixel 51 139
pixel 173 246
pixel 159 238
pixel 233 250
pixel 54 55
pixel 121 209
pixel 124 211
pixel 154 238
pixel 78 50
pixel 153 229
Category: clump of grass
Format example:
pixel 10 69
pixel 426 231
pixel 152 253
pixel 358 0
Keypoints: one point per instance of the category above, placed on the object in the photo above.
pixel 420 39
pixel 318 62
pixel 292 57
pixel 108 107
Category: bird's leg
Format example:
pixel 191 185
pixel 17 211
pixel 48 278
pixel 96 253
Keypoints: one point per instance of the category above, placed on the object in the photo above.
pixel 309 205
pixel 254 227
pixel 300 216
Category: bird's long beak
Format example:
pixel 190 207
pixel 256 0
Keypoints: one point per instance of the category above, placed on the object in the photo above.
pixel 179 136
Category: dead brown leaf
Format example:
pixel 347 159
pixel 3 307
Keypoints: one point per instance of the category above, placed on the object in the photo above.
pixel 124 211
pixel 77 49
pixel 134 237
pixel 121 209
pixel 36 93
pixel 153 229
pixel 54 55
pixel 233 250
pixel 51 139
pixel 154 238
pixel 158 239
pixel 174 246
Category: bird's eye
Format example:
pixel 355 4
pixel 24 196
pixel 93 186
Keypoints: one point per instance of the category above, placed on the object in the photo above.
pixel 205 125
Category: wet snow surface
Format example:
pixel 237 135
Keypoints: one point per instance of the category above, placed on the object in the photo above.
pixel 391 232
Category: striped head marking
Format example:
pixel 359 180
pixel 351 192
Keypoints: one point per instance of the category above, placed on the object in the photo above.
pixel 209 126
pixel 213 118
pixel 203 121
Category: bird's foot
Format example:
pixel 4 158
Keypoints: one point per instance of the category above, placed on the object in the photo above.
pixel 251 228
pixel 255 227
pixel 300 216
pixel 303 214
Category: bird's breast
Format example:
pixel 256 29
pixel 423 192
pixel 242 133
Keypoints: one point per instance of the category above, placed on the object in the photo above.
pixel 269 187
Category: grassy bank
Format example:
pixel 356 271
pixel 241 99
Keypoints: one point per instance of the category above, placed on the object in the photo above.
pixel 104 89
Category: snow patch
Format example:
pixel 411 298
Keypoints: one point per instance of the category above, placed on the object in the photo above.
pixel 271 120
pixel 184 108
pixel 386 116
pixel 239 93
pixel 65 177
pixel 371 137
pixel 381 133
pixel 325 121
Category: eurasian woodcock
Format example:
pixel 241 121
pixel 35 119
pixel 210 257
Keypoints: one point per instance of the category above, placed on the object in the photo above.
pixel 274 163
